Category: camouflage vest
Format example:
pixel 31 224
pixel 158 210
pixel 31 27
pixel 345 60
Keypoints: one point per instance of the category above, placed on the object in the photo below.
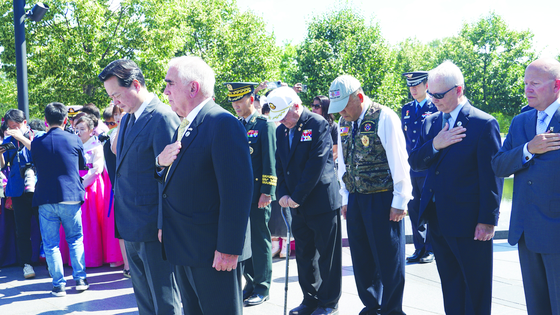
pixel 367 169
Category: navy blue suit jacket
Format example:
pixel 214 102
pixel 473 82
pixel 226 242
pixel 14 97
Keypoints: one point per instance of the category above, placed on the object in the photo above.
pixel 58 156
pixel 136 192
pixel 306 170
pixel 207 192
pixel 460 176
pixel 536 198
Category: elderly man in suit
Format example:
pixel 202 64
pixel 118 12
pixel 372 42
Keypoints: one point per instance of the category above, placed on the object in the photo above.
pixel 530 153
pixel 143 133
pixel 207 188
pixel 59 195
pixel 461 196
pixel 307 184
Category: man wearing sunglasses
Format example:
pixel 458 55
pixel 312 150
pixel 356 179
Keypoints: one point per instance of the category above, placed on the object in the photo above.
pixel 413 114
pixel 461 195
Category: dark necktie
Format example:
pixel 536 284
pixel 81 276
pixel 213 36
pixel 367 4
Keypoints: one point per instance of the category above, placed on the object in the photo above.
pixel 446 117
pixel 291 136
pixel 355 128
pixel 130 124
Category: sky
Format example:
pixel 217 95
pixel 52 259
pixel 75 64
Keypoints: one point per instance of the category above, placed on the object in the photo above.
pixel 424 20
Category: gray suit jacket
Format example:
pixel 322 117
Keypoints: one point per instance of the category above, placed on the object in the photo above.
pixel 136 190
pixel 536 198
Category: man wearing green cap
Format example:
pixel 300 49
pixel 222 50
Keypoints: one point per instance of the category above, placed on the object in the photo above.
pixel 262 146
pixel 375 187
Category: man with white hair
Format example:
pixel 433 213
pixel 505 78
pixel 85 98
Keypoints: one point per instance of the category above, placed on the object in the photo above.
pixel 376 188
pixel 531 152
pixel 206 195
pixel 307 184
pixel 461 195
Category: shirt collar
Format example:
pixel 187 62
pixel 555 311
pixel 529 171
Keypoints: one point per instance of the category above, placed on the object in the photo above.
pixel 552 108
pixel 142 107
pixel 250 116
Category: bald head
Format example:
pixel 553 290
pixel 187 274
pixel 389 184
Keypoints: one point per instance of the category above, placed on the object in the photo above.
pixel 542 83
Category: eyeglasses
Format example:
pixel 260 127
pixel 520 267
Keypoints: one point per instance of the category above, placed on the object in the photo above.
pixel 316 106
pixel 439 96
pixel 110 123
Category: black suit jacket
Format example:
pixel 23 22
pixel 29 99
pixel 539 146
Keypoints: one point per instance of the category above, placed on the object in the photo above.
pixel 306 170
pixel 460 176
pixel 136 191
pixel 58 155
pixel 207 192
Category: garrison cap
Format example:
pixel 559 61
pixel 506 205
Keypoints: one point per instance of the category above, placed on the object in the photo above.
pixel 236 90
pixel 415 78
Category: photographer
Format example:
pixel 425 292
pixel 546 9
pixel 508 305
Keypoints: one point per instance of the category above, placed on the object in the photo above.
pixel 21 182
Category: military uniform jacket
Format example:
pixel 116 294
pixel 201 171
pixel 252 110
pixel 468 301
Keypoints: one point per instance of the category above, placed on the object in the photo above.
pixel 306 169
pixel 411 122
pixel 261 136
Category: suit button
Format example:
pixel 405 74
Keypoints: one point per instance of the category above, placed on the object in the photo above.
pixel 431 190
pixel 415 122
pixel 413 140
pixel 414 131
pixel 119 175
pixel 530 182
pixel 164 196
pixel 256 179
pixel 288 172
pixel 437 172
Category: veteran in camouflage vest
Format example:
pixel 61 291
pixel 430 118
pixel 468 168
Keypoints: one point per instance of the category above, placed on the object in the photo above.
pixel 375 188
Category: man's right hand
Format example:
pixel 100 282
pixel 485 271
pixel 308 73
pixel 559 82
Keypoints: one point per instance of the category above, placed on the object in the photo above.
pixel 543 143
pixel 448 137
pixel 169 154
pixel 343 211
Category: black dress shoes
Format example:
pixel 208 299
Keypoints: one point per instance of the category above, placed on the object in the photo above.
pixel 302 310
pixel 427 258
pixel 415 257
pixel 255 299
pixel 247 294
pixel 325 311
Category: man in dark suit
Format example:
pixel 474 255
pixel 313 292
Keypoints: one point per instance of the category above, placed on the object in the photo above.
pixel 461 195
pixel 413 114
pixel 376 188
pixel 143 133
pixel 307 184
pixel 59 194
pixel 530 153
pixel 207 187
pixel 261 136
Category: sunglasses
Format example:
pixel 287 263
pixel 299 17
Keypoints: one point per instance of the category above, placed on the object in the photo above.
pixel 316 106
pixel 439 96
pixel 110 123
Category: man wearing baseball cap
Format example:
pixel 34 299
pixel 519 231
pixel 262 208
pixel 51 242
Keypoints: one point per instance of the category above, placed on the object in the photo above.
pixel 413 114
pixel 307 184
pixel 375 185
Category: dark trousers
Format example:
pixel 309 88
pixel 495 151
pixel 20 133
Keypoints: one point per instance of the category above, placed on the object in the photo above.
pixel 465 270
pixel 258 268
pixel 541 280
pixel 23 214
pixel 422 244
pixel 204 290
pixel 377 245
pixel 153 280
pixel 319 257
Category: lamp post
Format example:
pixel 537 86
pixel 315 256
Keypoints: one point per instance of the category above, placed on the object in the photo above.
pixel 35 14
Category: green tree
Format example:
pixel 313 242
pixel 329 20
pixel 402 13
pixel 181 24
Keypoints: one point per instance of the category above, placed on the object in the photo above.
pixel 493 59
pixel 342 42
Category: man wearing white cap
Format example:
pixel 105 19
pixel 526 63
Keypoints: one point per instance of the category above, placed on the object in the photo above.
pixel 307 184
pixel 375 185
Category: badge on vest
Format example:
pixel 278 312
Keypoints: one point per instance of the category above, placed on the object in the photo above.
pixel 252 133
pixel 344 131
pixel 407 116
pixel 306 135
pixel 365 141
pixel 367 127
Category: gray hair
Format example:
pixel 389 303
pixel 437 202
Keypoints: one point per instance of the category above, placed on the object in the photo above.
pixel 449 73
pixel 192 68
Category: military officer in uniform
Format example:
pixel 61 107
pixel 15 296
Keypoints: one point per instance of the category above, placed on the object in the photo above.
pixel 413 114
pixel 376 188
pixel 261 136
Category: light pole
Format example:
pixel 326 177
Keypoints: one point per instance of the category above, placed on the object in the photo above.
pixel 35 14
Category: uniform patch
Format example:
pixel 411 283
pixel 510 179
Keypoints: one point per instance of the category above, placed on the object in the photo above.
pixel 426 114
pixel 334 94
pixel 367 127
pixel 306 135
pixel 252 133
pixel 344 131
pixel 365 141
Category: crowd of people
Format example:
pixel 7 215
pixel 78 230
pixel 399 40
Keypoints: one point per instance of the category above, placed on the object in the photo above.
pixel 188 197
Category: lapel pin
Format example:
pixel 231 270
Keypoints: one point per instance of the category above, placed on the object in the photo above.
pixel 459 123
pixel 551 129
pixel 187 134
